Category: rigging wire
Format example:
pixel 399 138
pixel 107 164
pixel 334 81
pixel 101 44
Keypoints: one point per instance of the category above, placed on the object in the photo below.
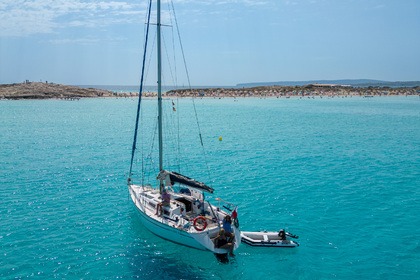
pixel 149 158
pixel 177 97
pixel 189 86
pixel 173 44
pixel 175 82
pixel 150 155
pixel 151 55
pixel 140 92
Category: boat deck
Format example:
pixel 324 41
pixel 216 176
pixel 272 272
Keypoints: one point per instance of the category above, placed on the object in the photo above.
pixel 181 213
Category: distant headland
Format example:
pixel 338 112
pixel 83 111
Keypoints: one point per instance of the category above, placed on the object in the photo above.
pixel 45 90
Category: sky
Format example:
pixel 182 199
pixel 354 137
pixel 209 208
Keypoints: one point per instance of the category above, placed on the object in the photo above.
pixel 226 42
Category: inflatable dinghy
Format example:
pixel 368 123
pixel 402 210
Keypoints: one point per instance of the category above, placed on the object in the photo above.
pixel 268 239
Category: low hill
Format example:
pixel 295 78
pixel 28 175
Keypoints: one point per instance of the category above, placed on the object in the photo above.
pixel 37 90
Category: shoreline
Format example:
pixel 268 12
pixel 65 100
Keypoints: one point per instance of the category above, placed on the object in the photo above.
pixel 312 90
pixel 40 90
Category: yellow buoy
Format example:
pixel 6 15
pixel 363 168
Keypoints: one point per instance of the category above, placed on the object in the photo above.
pixel 220 138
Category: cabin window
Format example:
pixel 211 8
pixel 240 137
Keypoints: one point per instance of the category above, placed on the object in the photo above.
pixel 186 202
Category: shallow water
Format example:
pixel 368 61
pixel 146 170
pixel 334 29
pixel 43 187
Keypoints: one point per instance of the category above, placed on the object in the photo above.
pixel 342 173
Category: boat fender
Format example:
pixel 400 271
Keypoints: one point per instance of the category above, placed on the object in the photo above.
pixel 236 222
pixel 200 226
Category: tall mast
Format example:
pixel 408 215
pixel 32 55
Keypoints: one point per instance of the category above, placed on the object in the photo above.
pixel 159 82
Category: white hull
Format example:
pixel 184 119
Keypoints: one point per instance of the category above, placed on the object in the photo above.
pixel 175 227
pixel 167 232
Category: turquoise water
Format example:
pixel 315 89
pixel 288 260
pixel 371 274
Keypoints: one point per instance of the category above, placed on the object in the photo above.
pixel 343 174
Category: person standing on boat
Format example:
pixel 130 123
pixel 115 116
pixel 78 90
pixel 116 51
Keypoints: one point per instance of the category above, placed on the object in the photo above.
pixel 166 200
pixel 282 235
pixel 221 242
pixel 227 226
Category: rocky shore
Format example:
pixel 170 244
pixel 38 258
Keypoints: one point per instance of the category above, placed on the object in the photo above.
pixel 38 90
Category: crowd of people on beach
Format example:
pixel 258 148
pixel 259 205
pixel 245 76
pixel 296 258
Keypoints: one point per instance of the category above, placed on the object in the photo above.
pixel 290 91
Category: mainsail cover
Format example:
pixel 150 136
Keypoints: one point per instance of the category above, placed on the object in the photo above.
pixel 184 180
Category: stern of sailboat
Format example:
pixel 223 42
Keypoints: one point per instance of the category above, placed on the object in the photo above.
pixel 182 217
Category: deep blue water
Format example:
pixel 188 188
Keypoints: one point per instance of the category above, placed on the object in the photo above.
pixel 342 173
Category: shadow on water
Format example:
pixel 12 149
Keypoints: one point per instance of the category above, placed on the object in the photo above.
pixel 222 258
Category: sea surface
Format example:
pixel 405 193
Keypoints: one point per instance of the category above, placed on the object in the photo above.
pixel 342 173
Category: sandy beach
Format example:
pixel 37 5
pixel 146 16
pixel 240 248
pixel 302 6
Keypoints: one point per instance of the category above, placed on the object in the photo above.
pixel 295 91
pixel 41 90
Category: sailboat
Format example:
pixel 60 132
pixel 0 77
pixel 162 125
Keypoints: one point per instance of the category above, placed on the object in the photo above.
pixel 185 217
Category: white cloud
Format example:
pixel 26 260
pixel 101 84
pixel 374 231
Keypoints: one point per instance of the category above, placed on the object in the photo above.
pixel 224 2
pixel 89 40
pixel 27 17
pixel 22 18
pixel 82 41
